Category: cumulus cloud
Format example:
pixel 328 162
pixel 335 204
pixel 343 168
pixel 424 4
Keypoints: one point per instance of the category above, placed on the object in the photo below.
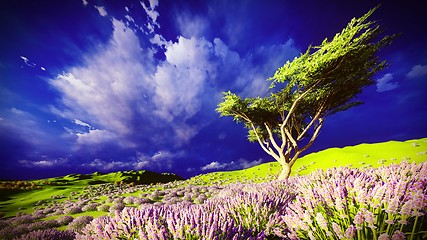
pixel 105 89
pixel 234 165
pixel 160 41
pixel 163 159
pixel 94 137
pixel 101 10
pixel 417 71
pixel 107 166
pixel 81 123
pixel 214 166
pixel 138 101
pixel 44 163
pixel 180 80
pixel 152 15
pixel 385 83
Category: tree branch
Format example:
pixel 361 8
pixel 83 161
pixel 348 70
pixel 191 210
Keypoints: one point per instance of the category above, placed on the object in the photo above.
pixel 291 139
pixel 272 140
pixel 295 103
pixel 315 134
pixel 301 135
pixel 269 150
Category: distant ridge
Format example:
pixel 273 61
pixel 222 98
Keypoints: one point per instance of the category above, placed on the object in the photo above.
pixel 126 177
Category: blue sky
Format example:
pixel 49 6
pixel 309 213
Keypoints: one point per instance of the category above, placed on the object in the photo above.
pixel 118 85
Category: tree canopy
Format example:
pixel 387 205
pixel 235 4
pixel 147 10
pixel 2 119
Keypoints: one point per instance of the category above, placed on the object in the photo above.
pixel 320 82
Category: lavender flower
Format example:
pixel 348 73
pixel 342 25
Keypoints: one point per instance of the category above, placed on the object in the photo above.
pixel 64 220
pixel 79 223
pixel 393 195
pixel 398 235
pixel 73 210
pixel 384 236
pixel 48 234
pixel 321 221
pixel 166 222
pixel 350 232
pixel 337 230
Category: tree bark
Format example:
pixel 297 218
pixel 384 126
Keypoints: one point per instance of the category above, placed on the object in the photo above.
pixel 286 172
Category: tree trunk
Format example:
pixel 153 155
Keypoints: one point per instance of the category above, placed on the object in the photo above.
pixel 286 171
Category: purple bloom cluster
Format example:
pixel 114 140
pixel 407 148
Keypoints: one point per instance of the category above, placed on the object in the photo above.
pixel 258 207
pixel 13 228
pixel 48 234
pixel 346 203
pixel 179 221
pixel 79 223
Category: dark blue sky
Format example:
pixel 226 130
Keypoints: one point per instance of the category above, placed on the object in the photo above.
pixel 118 85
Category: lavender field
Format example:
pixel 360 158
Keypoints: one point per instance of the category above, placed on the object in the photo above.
pixel 388 202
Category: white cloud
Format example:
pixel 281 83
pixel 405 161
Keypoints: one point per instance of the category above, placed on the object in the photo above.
pixel 163 159
pixel 95 137
pixel 81 123
pixel 385 83
pixel 134 99
pixel 107 166
pixel 121 84
pixel 180 80
pixel 101 10
pixel 27 61
pixel 243 163
pixel 234 165
pixel 43 69
pixel 152 15
pixel 159 40
pixel 214 166
pixel 154 3
pixel 417 71
pixel 223 52
pixel 44 163
pixel 191 26
pixel 105 88
pixel 85 2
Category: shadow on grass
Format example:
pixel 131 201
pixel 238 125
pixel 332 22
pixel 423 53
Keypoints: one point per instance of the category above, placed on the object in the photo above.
pixel 6 194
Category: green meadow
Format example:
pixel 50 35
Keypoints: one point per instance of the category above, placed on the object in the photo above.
pixel 25 197
pixel 59 189
pixel 359 156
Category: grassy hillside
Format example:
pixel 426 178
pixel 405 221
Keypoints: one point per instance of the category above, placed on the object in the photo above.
pixel 60 189
pixel 15 198
pixel 72 201
pixel 359 156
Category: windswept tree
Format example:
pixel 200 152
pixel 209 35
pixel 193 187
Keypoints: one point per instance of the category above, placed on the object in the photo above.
pixel 322 81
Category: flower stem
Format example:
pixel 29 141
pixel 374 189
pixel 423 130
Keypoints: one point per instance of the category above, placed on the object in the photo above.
pixel 413 228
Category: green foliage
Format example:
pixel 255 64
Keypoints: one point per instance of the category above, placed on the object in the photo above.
pixel 322 81
pixel 337 69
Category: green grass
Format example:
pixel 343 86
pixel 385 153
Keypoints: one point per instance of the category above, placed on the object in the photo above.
pixel 25 200
pixel 360 156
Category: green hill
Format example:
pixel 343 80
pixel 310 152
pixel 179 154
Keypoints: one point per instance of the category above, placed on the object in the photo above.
pixel 24 196
pixel 359 156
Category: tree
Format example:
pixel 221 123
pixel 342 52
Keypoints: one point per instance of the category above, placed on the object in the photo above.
pixel 320 82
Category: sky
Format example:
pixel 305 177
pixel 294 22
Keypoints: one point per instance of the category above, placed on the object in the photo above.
pixel 105 86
